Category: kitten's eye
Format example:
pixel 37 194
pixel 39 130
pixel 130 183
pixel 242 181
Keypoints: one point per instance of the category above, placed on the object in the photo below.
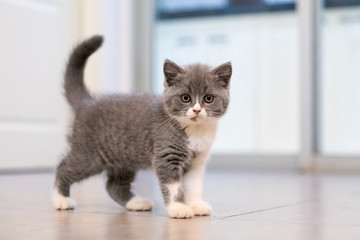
pixel 209 98
pixel 185 98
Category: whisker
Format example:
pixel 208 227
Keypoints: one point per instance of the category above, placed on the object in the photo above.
pixel 214 115
pixel 164 125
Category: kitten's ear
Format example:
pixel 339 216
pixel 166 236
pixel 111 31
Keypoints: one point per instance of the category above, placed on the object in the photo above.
pixel 223 72
pixel 171 70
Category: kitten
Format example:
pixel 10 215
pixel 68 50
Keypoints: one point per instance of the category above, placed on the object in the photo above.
pixel 121 134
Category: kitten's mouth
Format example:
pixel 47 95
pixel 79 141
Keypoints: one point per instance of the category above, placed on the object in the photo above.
pixel 194 119
pixel 197 118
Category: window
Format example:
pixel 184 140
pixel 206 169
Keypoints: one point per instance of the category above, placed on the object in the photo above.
pixel 339 85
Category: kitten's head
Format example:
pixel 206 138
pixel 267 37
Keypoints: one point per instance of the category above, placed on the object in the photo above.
pixel 196 92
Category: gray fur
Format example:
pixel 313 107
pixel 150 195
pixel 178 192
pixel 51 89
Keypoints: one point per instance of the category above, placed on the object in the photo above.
pixel 121 134
pixel 75 91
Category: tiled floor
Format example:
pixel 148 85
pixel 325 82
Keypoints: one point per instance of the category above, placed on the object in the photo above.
pixel 246 205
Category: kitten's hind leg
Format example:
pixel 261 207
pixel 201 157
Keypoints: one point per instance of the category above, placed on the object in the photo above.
pixel 69 171
pixel 119 188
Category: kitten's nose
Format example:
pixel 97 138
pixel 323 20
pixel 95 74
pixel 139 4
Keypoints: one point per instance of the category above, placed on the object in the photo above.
pixel 196 111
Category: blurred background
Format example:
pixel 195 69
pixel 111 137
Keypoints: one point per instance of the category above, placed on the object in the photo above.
pixel 295 90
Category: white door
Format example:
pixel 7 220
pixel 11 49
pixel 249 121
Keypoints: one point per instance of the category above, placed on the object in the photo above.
pixel 35 39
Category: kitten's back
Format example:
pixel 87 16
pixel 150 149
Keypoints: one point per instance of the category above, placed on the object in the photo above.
pixel 120 126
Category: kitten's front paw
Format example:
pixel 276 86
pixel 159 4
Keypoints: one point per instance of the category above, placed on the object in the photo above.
pixel 139 204
pixel 179 210
pixel 201 208
pixel 61 202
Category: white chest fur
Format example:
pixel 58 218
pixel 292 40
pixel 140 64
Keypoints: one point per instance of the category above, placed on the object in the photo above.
pixel 201 136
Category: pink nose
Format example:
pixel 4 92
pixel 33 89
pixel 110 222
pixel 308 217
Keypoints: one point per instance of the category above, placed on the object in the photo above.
pixel 196 111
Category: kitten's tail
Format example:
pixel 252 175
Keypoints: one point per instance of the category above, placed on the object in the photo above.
pixel 75 90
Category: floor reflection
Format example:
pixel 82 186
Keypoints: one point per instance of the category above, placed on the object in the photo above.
pixel 186 228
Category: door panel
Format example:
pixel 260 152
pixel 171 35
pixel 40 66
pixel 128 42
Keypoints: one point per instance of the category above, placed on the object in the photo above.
pixel 35 39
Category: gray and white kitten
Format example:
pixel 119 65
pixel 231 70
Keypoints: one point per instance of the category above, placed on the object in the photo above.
pixel 121 134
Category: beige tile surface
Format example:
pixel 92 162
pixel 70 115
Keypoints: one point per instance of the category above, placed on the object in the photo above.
pixel 247 205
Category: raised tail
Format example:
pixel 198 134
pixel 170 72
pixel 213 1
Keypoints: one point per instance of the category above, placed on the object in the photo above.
pixel 75 90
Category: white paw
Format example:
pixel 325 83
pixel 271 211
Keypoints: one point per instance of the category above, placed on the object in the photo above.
pixel 139 204
pixel 62 203
pixel 201 208
pixel 179 210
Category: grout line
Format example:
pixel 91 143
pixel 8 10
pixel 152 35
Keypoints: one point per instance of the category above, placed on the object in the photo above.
pixel 267 209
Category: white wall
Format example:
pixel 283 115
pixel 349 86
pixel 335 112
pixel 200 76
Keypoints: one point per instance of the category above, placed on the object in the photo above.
pixel 111 69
